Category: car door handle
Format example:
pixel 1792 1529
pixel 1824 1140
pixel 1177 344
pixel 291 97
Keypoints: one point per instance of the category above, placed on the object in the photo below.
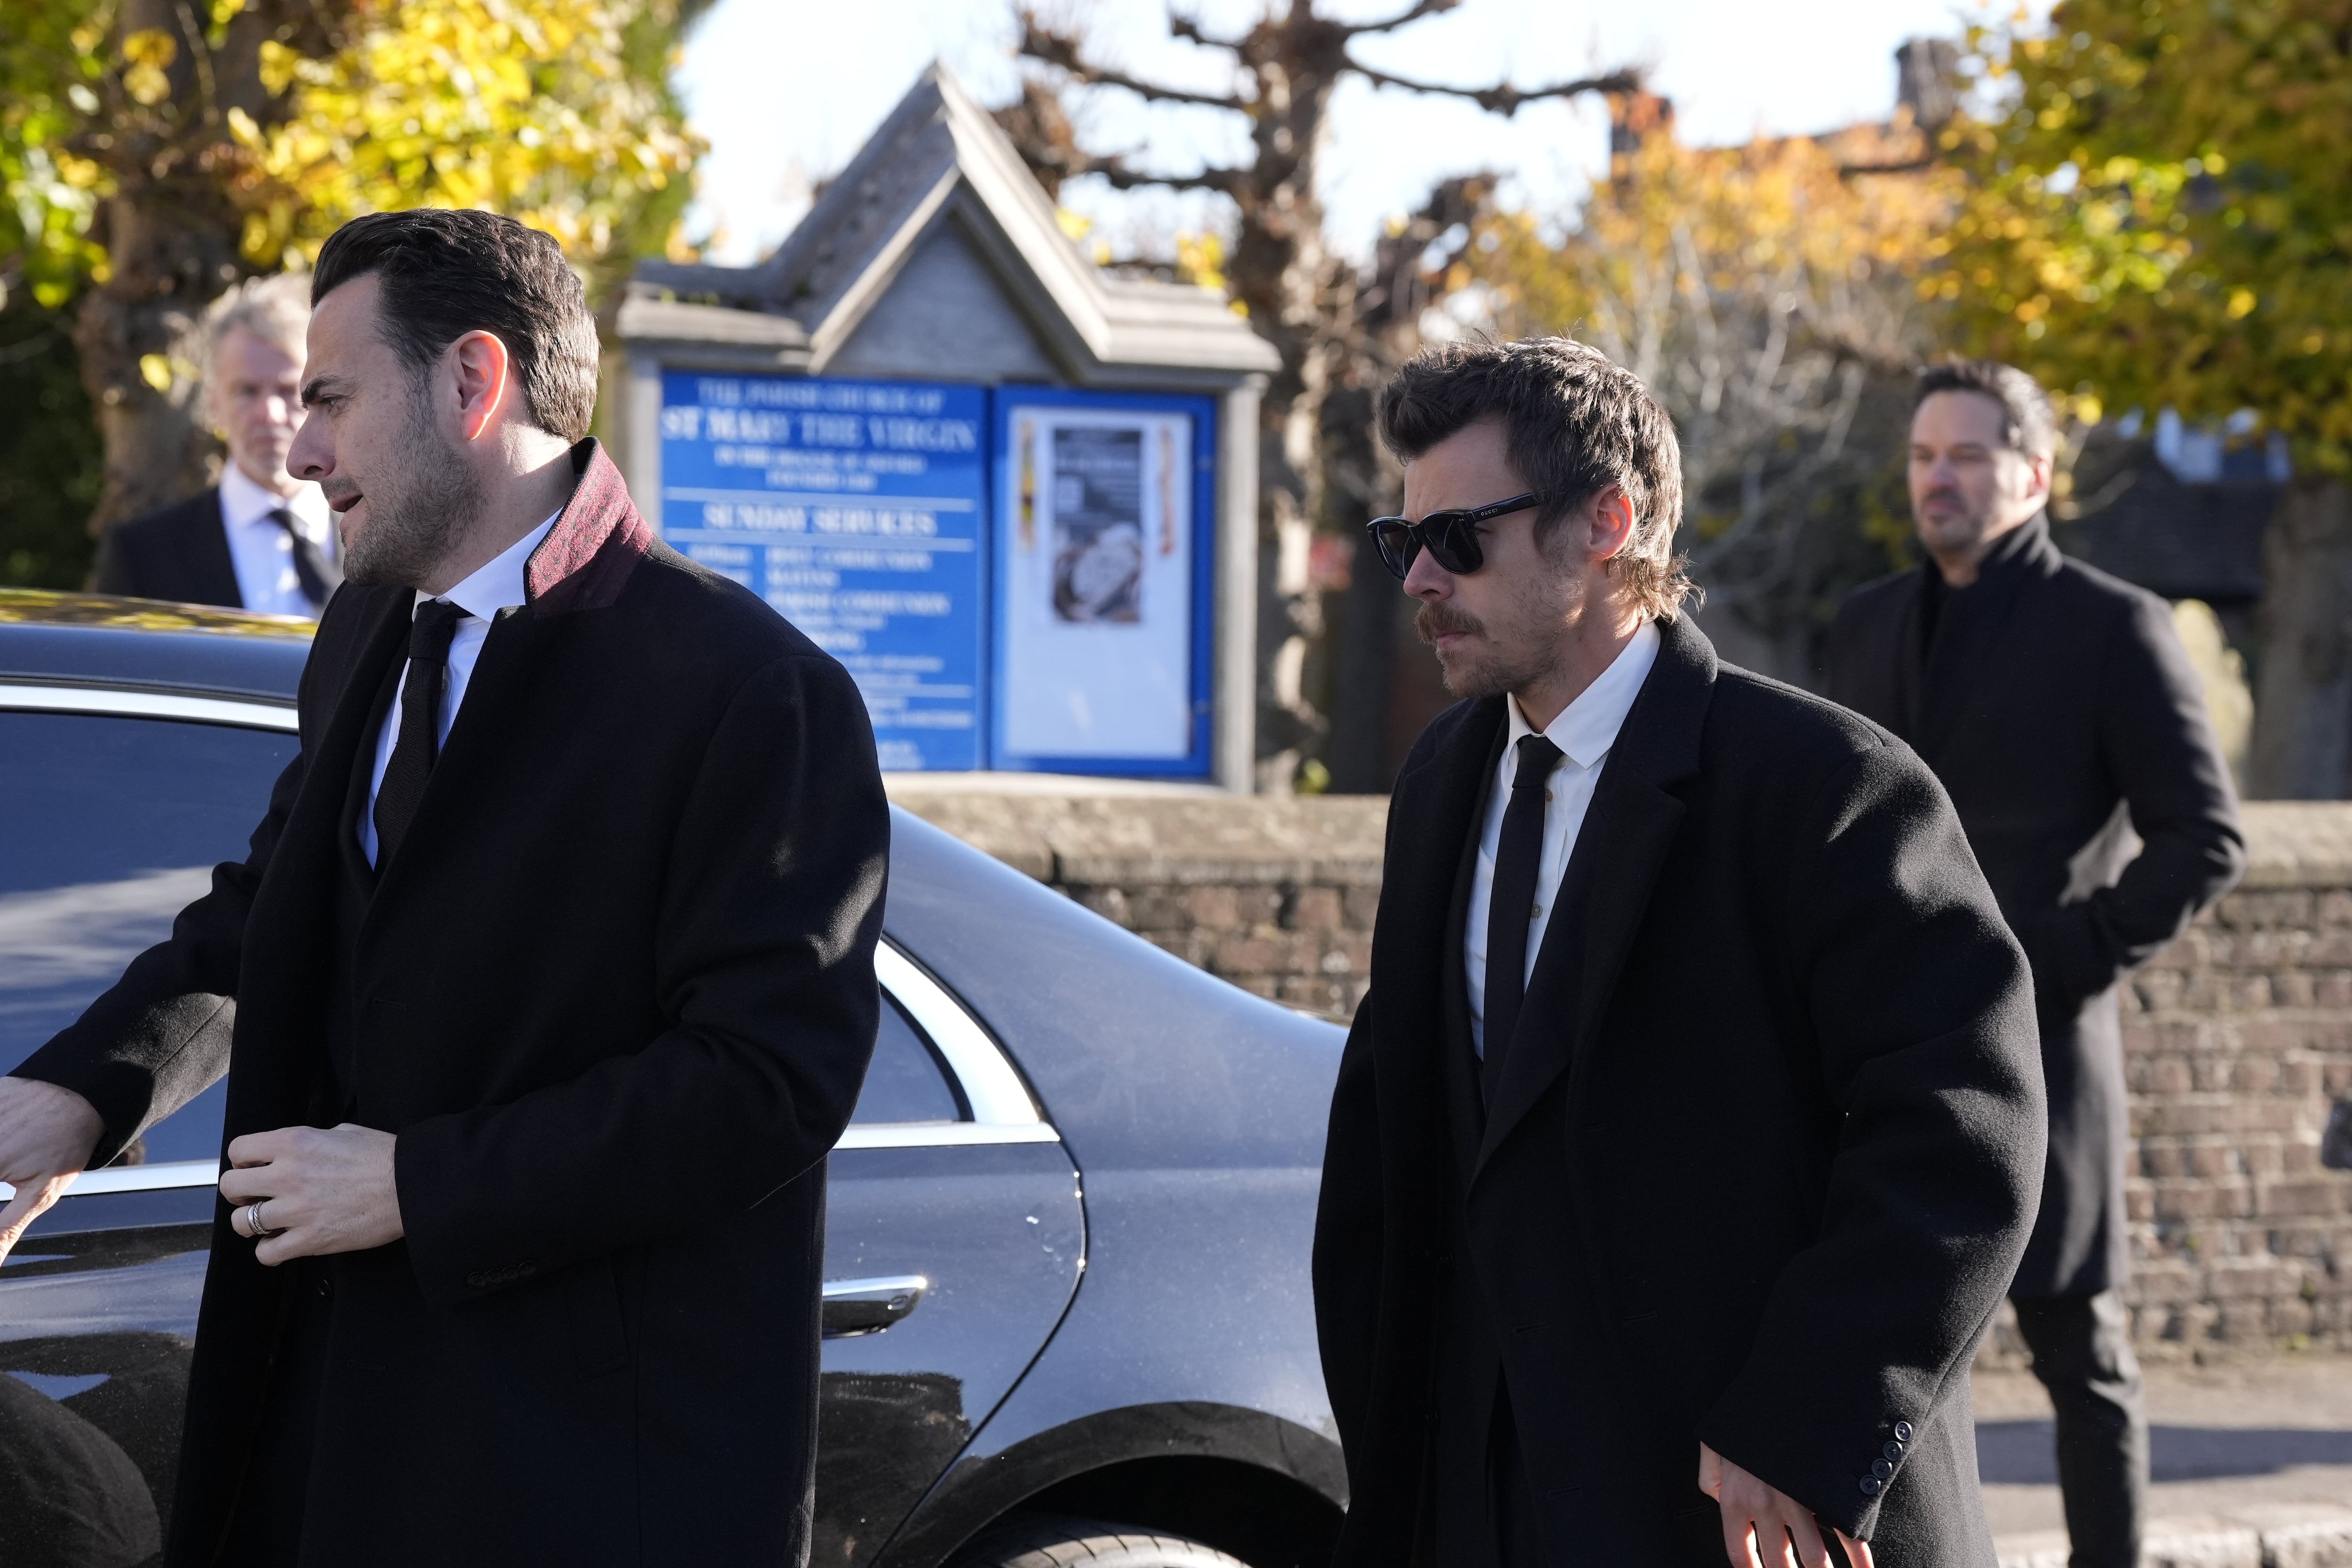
pixel 856 1307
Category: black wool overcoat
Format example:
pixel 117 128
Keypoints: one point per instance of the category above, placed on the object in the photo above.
pixel 1761 1159
pixel 2061 714
pixel 179 553
pixel 616 996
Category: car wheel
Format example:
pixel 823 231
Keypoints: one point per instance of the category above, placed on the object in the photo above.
pixel 1053 1542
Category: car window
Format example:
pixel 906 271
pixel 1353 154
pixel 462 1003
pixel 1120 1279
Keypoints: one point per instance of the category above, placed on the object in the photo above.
pixel 108 827
pixel 906 1081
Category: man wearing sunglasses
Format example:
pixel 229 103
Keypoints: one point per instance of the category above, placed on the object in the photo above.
pixel 1693 1122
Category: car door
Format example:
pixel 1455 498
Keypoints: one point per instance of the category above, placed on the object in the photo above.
pixel 955 1233
pixel 108 824
pixel 954 1239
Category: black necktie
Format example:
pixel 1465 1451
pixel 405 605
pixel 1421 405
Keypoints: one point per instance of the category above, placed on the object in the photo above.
pixel 316 574
pixel 1512 907
pixel 402 789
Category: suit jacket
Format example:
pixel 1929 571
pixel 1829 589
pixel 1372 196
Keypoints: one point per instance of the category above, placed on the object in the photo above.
pixel 615 996
pixel 180 553
pixel 2062 715
pixel 1761 1159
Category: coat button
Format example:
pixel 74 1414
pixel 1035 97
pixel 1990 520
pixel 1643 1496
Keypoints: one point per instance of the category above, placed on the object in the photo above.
pixel 1903 1431
pixel 1893 1450
pixel 1871 1486
pixel 326 1286
pixel 1882 1470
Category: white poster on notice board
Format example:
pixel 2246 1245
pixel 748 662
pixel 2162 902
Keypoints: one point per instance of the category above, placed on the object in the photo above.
pixel 1097 609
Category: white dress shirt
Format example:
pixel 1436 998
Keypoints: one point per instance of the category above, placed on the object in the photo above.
pixel 1584 732
pixel 497 587
pixel 263 555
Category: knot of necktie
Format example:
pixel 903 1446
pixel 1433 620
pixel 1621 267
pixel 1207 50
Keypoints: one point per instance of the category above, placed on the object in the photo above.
pixel 1538 757
pixel 434 628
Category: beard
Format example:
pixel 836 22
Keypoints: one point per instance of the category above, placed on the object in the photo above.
pixel 1960 527
pixel 1487 667
pixel 426 502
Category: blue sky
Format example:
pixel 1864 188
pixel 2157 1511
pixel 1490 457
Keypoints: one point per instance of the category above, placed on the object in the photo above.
pixel 786 90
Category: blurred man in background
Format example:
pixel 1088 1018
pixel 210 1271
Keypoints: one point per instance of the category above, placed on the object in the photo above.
pixel 261 539
pixel 2060 710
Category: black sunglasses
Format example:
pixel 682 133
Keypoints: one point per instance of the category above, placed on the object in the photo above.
pixel 1452 537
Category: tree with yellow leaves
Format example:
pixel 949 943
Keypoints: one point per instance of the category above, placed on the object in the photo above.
pixel 154 151
pixel 2156 216
pixel 1768 295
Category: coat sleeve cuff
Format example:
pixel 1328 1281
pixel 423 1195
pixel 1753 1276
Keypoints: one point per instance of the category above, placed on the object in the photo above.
pixel 2069 960
pixel 1844 1489
pixel 452 1265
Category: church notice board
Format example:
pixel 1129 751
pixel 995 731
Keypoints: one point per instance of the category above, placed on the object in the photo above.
pixel 1016 578
pixel 856 509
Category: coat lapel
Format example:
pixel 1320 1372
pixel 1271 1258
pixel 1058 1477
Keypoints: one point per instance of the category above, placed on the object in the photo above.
pixel 209 563
pixel 1434 807
pixel 1624 839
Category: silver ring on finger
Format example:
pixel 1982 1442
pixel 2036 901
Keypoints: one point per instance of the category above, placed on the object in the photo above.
pixel 253 1222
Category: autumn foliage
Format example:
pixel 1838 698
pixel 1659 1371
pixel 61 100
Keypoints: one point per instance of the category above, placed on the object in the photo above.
pixel 2157 214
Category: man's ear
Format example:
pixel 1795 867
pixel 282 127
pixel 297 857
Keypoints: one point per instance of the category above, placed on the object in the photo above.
pixel 1610 515
pixel 485 373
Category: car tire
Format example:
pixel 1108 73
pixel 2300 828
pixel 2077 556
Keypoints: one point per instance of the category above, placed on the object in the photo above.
pixel 1044 1541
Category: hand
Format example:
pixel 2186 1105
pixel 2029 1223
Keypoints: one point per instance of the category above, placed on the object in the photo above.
pixel 321 1191
pixel 1756 1515
pixel 47 1137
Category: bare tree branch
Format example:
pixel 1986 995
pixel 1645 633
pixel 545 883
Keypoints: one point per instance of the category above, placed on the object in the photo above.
pixel 1422 8
pixel 1189 29
pixel 1224 181
pixel 1042 44
pixel 1504 99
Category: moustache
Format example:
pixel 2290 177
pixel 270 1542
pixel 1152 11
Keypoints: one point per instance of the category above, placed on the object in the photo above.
pixel 1433 620
pixel 1943 493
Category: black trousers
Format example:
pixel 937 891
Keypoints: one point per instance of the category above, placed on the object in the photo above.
pixel 2083 1354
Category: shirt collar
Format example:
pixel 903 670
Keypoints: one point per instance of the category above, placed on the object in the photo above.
pixel 498 585
pixel 1587 728
pixel 244 503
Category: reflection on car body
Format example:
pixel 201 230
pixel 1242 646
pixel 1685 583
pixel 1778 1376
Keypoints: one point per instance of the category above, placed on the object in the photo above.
pixel 1004 1340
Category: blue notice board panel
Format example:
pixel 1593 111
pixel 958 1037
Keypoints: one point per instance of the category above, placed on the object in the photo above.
pixel 858 509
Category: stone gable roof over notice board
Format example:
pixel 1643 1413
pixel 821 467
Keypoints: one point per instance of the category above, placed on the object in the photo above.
pixel 935 253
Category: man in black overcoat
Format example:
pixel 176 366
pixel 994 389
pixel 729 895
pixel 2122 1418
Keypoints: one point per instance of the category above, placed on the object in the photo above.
pixel 543 993
pixel 2060 710
pixel 1691 1128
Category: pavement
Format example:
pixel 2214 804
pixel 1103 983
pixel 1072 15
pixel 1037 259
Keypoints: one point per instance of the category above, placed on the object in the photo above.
pixel 2251 1465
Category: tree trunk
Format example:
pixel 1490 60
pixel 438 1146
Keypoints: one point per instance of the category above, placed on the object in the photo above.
pixel 2302 715
pixel 171 232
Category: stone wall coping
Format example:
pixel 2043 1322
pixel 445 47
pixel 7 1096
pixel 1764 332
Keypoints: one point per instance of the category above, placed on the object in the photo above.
pixel 1094 839
pixel 2298 843
pixel 1086 836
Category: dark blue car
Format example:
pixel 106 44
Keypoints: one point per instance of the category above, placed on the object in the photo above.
pixel 1067 1258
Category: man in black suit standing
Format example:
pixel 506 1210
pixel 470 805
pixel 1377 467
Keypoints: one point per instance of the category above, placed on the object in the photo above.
pixel 2061 712
pixel 545 989
pixel 261 539
pixel 1691 1128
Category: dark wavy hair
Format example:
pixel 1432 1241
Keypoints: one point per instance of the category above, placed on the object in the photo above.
pixel 445 274
pixel 2029 425
pixel 1573 422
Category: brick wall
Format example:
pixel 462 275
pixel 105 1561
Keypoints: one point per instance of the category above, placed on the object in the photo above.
pixel 2235 1038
